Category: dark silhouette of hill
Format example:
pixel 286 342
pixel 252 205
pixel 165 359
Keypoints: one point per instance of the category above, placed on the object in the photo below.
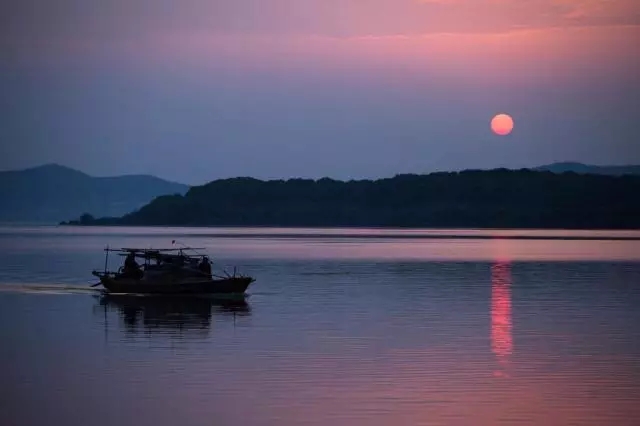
pixel 495 198
pixel 589 169
pixel 51 193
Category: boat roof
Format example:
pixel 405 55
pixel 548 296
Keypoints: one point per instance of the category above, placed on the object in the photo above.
pixel 151 253
pixel 152 250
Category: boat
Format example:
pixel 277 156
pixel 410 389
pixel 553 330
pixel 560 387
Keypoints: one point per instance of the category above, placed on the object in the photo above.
pixel 168 271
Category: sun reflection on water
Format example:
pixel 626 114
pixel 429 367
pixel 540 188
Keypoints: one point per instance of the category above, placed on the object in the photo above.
pixel 501 340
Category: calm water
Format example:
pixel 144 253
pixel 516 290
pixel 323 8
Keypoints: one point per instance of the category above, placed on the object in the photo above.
pixel 343 327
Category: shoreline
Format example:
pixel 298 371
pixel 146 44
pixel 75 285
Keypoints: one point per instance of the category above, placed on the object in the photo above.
pixel 362 233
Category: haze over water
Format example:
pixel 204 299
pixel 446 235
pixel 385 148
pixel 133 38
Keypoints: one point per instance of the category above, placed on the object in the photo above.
pixel 357 327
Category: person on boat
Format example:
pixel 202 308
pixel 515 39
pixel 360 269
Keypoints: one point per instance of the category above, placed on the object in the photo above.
pixel 205 266
pixel 131 267
pixel 130 261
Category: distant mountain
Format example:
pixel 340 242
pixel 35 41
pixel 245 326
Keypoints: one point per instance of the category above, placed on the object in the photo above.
pixel 590 169
pixel 51 193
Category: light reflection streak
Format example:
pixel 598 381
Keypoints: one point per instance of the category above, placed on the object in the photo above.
pixel 501 339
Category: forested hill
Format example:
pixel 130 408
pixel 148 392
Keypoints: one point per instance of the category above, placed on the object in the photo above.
pixel 497 198
pixel 590 169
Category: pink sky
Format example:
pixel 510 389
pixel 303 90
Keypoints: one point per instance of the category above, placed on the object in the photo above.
pixel 503 39
pixel 70 22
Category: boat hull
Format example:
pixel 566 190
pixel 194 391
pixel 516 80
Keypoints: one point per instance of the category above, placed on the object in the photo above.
pixel 223 286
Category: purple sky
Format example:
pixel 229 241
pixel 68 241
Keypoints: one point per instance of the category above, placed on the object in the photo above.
pixel 194 90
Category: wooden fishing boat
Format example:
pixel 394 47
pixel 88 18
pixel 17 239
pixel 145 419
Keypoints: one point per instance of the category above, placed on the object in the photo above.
pixel 168 271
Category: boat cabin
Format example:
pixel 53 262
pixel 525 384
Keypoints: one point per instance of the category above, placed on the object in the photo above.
pixel 156 263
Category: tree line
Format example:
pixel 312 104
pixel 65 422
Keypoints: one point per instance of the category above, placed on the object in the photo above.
pixel 498 198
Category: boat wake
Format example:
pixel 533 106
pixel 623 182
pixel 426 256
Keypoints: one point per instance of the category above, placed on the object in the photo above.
pixel 48 289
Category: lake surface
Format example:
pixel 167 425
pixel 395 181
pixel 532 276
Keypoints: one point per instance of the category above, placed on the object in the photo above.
pixel 342 327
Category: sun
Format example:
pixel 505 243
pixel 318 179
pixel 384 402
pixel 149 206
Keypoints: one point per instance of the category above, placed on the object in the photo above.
pixel 502 124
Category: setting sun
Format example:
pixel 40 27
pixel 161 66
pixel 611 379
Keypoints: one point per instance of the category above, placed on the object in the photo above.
pixel 502 124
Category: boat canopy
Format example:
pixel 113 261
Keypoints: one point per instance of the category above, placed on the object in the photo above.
pixel 158 253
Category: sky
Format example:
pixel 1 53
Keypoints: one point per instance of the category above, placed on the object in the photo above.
pixel 196 90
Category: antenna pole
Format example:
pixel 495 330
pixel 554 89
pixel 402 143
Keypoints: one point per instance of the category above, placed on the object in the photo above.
pixel 106 259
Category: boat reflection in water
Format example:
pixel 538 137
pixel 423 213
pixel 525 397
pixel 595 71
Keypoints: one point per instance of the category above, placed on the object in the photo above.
pixel 171 314
pixel 501 340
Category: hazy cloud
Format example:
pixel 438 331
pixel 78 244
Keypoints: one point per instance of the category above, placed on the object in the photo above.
pixel 125 19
